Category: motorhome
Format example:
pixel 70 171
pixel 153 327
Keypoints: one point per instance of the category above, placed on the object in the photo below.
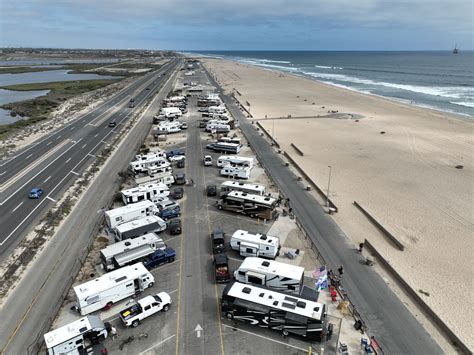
pixel 152 155
pixel 228 186
pixel 248 204
pixel 217 126
pixel 271 274
pixel 223 147
pixel 162 169
pixel 259 245
pixel 112 287
pixel 171 112
pixel 141 166
pixel 235 160
pixel 122 253
pixel 169 127
pixel 153 192
pixel 237 172
pixel 138 227
pixel 235 140
pixel 130 212
pixel 77 337
pixel 217 109
pixel 275 310
pixel 162 178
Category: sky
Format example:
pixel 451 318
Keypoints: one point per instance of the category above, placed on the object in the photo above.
pixel 238 24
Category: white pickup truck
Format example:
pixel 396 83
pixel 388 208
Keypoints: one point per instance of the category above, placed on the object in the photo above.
pixel 147 306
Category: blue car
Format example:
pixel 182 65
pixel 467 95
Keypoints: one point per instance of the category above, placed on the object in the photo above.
pixel 35 193
pixel 159 257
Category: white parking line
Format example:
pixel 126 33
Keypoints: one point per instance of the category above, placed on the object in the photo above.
pixel 96 135
pixel 29 156
pixel 85 145
pixel 3 173
pixel 91 155
pixel 267 338
pixel 49 143
pixel 49 177
pixel 72 128
pixel 73 172
pixel 50 198
pixel 68 160
pixel 58 137
pixel 17 207
pixel 159 343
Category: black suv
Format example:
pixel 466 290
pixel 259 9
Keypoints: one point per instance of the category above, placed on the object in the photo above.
pixel 211 190
pixel 178 193
pixel 174 226
pixel 218 241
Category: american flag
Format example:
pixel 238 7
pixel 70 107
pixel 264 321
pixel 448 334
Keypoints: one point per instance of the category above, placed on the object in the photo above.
pixel 322 271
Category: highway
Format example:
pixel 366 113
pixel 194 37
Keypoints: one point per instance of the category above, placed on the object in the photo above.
pixel 388 319
pixel 55 161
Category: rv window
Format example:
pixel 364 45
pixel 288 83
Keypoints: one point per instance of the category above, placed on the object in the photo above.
pixel 129 285
pixel 267 248
pixel 249 250
pixel 292 288
pixel 242 273
pixel 118 279
pixel 316 309
pixel 238 243
pixel 118 219
pixel 92 299
pixel 255 280
pixel 246 290
pixel 275 303
pixel 301 304
pixel 78 341
pixel 261 295
pixel 82 330
pixel 263 237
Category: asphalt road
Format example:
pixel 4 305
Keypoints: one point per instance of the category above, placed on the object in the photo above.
pixel 56 161
pixel 388 319
pixel 25 313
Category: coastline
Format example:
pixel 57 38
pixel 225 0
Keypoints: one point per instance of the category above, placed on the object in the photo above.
pixel 405 176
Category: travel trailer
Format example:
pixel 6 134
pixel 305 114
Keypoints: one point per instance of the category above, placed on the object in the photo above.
pixel 142 166
pixel 162 179
pixel 259 245
pixel 234 160
pixel 171 112
pixel 138 227
pixel 271 274
pixel 112 287
pixel 169 127
pixel 235 172
pixel 218 127
pixel 122 253
pixel 217 109
pixel 153 192
pixel 130 212
pixel 228 186
pixel 248 204
pixel 223 147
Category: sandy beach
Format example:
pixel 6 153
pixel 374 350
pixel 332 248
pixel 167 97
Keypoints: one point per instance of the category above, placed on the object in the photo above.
pixel 406 177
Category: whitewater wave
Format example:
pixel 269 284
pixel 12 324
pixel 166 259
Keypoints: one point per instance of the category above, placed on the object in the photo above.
pixel 462 103
pixel 326 67
pixel 274 61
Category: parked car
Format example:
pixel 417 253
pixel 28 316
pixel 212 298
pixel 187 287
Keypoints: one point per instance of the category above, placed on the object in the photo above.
pixel 184 125
pixel 176 158
pixel 180 179
pixel 159 257
pixel 169 209
pixel 144 308
pixel 131 105
pixel 202 124
pixel 218 241
pixel 207 160
pixel 178 193
pixel 112 124
pixel 221 266
pixel 174 152
pixel 211 190
pixel 35 193
pixel 132 100
pixel 174 226
pixel 181 164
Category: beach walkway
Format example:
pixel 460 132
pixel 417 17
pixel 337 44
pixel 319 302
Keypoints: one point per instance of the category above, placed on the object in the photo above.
pixel 396 329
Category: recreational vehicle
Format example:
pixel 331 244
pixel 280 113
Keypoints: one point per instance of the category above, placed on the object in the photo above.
pixel 171 112
pixel 223 147
pixel 235 171
pixel 218 127
pixel 138 227
pixel 164 169
pixel 234 140
pixel 217 109
pixel 130 212
pixel 271 274
pixel 152 192
pixel 112 287
pixel 235 160
pixel 248 204
pixel 259 245
pixel 228 186
pixel 148 156
pixel 142 166
pixel 77 337
pixel 274 310
pixel 122 253
pixel 169 127
pixel 162 179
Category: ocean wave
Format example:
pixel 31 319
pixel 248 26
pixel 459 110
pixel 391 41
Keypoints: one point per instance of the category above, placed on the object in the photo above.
pixel 462 103
pixel 270 66
pixel 326 67
pixel 274 61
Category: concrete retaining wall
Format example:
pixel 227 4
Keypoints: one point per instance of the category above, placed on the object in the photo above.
pixel 268 134
pixel 298 150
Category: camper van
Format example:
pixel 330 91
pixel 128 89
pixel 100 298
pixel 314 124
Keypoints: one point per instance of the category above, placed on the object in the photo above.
pixel 235 172
pixel 248 204
pixel 112 287
pixel 130 212
pixel 260 245
pixel 122 253
pixel 153 192
pixel 271 274
pixel 228 186
pixel 138 227
pixel 142 166
pixel 77 337
pixel 234 160
pixel 162 179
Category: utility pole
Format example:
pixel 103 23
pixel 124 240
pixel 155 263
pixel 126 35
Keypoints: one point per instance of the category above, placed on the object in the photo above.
pixel 329 184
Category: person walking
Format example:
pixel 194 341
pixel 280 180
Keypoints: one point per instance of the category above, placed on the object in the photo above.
pixel 361 247
pixel 114 333
pixel 340 269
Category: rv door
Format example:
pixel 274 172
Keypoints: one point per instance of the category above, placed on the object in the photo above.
pixel 248 249
pixel 255 278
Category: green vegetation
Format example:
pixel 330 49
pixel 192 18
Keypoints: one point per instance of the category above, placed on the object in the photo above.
pixel 38 109
pixel 19 70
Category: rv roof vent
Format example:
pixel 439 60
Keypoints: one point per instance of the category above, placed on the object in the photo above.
pixel 127 244
pixel 267 198
pixel 261 295
pixel 82 330
pixel 316 309
pixel 241 183
pixel 246 290
pixel 301 304
pixel 266 264
pixel 275 303
pixel 263 237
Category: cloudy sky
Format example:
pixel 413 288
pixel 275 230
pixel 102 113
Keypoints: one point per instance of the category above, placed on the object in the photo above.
pixel 238 24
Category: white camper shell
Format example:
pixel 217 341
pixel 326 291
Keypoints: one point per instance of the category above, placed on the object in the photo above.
pixel 260 245
pixel 225 160
pixel 122 253
pixel 235 172
pixel 112 287
pixel 153 192
pixel 76 337
pixel 138 227
pixel 130 212
pixel 271 274
pixel 229 186
pixel 142 166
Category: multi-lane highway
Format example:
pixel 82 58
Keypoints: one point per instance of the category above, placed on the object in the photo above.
pixel 55 161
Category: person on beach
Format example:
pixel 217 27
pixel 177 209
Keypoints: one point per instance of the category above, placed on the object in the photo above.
pixel 340 269
pixel 361 247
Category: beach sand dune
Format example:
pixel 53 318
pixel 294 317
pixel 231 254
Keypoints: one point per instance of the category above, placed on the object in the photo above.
pixel 406 177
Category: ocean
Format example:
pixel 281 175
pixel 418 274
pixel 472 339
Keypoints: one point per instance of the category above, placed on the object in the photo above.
pixel 439 80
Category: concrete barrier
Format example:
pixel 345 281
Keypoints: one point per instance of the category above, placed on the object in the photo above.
pixel 379 226
pixel 420 301
pixel 268 134
pixel 298 150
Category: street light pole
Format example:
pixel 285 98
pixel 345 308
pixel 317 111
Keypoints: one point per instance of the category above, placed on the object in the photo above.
pixel 329 184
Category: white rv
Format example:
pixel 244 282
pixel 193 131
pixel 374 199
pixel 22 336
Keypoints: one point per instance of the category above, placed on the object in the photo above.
pixel 151 155
pixel 161 178
pixel 261 245
pixel 142 166
pixel 271 274
pixel 122 253
pixel 225 160
pixel 224 147
pixel 248 204
pixel 130 212
pixel 217 109
pixel 77 337
pixel 175 99
pixel 169 127
pixel 151 192
pixel 112 287
pixel 138 227
pixel 218 127
pixel 171 112
pixel 228 186
pixel 236 172
pixel 165 169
